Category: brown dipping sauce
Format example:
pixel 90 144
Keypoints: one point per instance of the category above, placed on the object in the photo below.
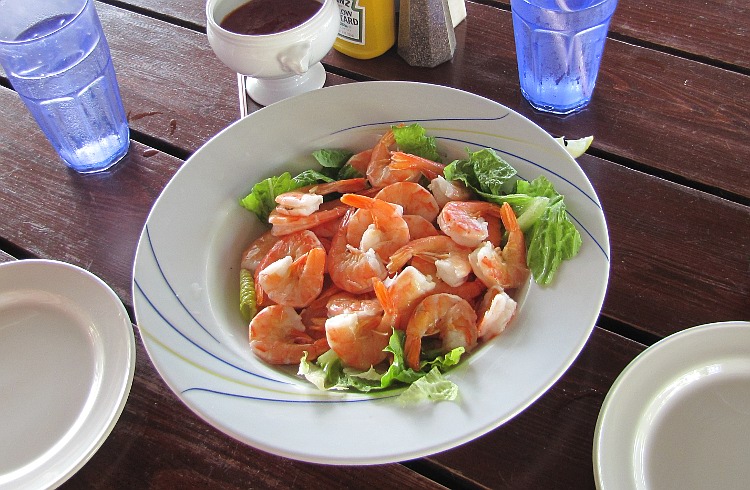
pixel 258 17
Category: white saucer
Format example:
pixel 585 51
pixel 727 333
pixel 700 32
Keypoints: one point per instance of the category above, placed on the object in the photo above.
pixel 67 356
pixel 679 415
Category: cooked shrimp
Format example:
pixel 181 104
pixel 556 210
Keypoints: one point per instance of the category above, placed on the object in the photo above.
pixel 445 191
pixel 419 227
pixel 379 172
pixel 388 230
pixel 278 336
pixel 466 221
pixel 326 230
pixel 470 290
pixel 306 200
pixel 504 267
pixel 361 304
pixel 448 316
pixel 412 197
pixel 284 224
pixel 255 252
pixel 292 272
pixel 406 161
pixel 360 161
pixel 495 311
pixel 350 268
pixel 360 331
pixel 315 314
pixel 451 259
pixel 405 290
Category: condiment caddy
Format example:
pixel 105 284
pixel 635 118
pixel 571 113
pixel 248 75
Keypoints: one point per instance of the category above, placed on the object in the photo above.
pixel 426 37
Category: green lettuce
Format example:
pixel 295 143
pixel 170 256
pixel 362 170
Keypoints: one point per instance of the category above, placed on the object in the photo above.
pixel 332 158
pixel 485 172
pixel 329 373
pixel 413 139
pixel 262 197
pixel 334 164
pixel 248 305
pixel 433 386
pixel 553 238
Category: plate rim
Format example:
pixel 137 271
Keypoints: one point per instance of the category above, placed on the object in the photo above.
pixel 643 361
pixel 111 411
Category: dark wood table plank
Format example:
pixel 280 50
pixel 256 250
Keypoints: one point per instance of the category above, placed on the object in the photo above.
pixel 715 31
pixel 182 96
pixel 549 444
pixel 91 221
pixel 672 260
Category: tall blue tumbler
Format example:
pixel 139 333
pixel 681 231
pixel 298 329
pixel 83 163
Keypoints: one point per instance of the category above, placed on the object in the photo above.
pixel 559 46
pixel 57 58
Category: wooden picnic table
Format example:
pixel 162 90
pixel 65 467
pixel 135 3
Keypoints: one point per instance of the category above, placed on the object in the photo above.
pixel 670 163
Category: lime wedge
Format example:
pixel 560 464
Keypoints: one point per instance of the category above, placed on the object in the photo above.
pixel 575 148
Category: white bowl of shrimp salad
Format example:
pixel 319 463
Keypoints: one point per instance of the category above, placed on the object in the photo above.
pixel 195 245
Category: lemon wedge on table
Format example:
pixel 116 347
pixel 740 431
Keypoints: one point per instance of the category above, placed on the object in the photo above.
pixel 575 148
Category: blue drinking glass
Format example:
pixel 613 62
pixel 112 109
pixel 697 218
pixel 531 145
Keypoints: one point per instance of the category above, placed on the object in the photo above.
pixel 57 59
pixel 559 46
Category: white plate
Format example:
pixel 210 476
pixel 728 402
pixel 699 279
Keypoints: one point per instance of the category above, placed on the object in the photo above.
pixel 186 280
pixel 679 415
pixel 67 355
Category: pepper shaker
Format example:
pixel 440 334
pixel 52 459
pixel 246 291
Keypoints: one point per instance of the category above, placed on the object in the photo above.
pixel 425 35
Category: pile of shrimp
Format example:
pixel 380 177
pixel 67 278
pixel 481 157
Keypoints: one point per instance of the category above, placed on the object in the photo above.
pixel 388 253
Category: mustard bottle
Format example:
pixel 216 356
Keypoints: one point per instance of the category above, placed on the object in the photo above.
pixel 367 28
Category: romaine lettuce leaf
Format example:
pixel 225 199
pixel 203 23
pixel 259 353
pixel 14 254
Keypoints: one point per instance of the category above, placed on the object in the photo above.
pixel 329 373
pixel 484 171
pixel 348 172
pixel 413 139
pixel 398 370
pixel 262 198
pixel 332 158
pixel 553 239
pixel 433 386
pixel 528 208
pixel 537 187
pixel 248 306
pixel 310 177
pixel 334 164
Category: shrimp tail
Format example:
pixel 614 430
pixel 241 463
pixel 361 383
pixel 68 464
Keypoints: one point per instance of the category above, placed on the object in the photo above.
pixel 385 299
pixel 407 161
pixel 508 217
pixel 390 311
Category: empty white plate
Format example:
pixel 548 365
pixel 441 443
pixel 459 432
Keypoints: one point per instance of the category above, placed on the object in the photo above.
pixel 67 356
pixel 679 415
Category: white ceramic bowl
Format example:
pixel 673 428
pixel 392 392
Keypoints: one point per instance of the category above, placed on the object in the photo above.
pixel 186 280
pixel 281 64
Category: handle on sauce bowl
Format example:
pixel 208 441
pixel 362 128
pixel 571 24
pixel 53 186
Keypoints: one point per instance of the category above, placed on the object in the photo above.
pixel 296 58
